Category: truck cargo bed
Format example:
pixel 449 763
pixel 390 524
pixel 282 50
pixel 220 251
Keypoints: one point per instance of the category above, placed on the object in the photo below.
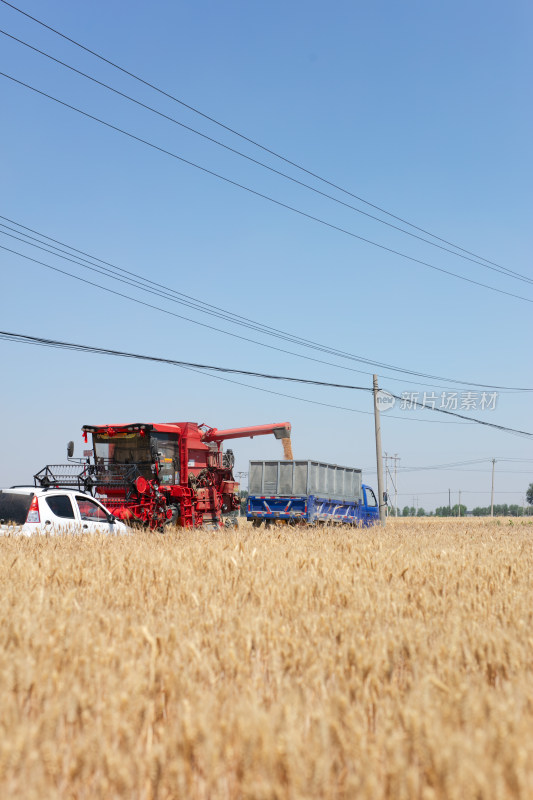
pixel 309 492
pixel 298 478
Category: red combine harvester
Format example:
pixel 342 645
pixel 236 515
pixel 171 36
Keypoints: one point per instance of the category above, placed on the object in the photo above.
pixel 160 474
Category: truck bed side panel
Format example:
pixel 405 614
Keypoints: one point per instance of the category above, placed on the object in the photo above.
pixel 308 509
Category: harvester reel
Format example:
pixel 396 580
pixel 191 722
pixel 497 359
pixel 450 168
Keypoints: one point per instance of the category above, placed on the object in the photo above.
pixel 141 484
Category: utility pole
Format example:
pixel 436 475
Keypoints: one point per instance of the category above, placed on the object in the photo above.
pixel 241 475
pixel 459 502
pixel 396 459
pixel 450 502
pixel 379 458
pixel 394 485
pixel 492 490
pixel 385 456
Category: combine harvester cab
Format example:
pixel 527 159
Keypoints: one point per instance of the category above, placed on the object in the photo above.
pixel 168 473
pixel 309 492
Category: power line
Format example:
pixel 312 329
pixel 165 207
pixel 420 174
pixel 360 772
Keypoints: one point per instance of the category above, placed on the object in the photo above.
pixel 452 465
pixel 460 464
pixel 463 491
pixel 497 269
pixel 193 302
pixel 25 340
pixel 174 362
pixel 17 337
pixel 270 199
pixel 483 471
pixel 158 308
pixel 466 466
pixel 250 140
pixel 124 296
pixel 523 460
pixel 461 416
pixel 227 316
pixel 197 305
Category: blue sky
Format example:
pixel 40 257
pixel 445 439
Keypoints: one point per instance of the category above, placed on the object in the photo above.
pixel 422 109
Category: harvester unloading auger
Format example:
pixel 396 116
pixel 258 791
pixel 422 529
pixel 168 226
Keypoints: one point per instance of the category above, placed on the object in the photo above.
pixel 162 473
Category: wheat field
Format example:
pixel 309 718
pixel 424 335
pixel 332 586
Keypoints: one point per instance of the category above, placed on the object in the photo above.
pixel 287 663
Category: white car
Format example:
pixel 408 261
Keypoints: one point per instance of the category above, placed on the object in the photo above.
pixel 30 509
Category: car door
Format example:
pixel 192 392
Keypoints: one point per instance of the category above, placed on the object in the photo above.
pixel 57 513
pixel 93 517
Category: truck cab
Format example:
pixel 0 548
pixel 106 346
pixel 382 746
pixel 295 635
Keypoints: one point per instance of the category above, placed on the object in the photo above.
pixel 369 511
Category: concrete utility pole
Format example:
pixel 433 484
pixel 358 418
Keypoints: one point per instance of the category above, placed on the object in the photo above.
pixel 396 459
pixel 449 501
pixel 385 456
pixel 241 475
pixel 492 490
pixel 389 475
pixel 459 502
pixel 379 458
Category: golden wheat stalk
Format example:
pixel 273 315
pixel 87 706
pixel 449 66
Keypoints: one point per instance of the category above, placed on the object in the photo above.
pixel 296 663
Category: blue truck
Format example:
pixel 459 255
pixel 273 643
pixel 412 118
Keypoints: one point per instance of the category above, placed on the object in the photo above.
pixel 309 492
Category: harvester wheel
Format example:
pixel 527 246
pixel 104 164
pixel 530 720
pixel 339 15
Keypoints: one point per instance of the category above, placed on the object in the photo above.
pixel 169 520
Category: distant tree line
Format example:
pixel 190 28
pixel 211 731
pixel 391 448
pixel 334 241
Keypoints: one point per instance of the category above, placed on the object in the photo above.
pixel 500 510
pixel 446 511
pixel 411 511
pixel 503 510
